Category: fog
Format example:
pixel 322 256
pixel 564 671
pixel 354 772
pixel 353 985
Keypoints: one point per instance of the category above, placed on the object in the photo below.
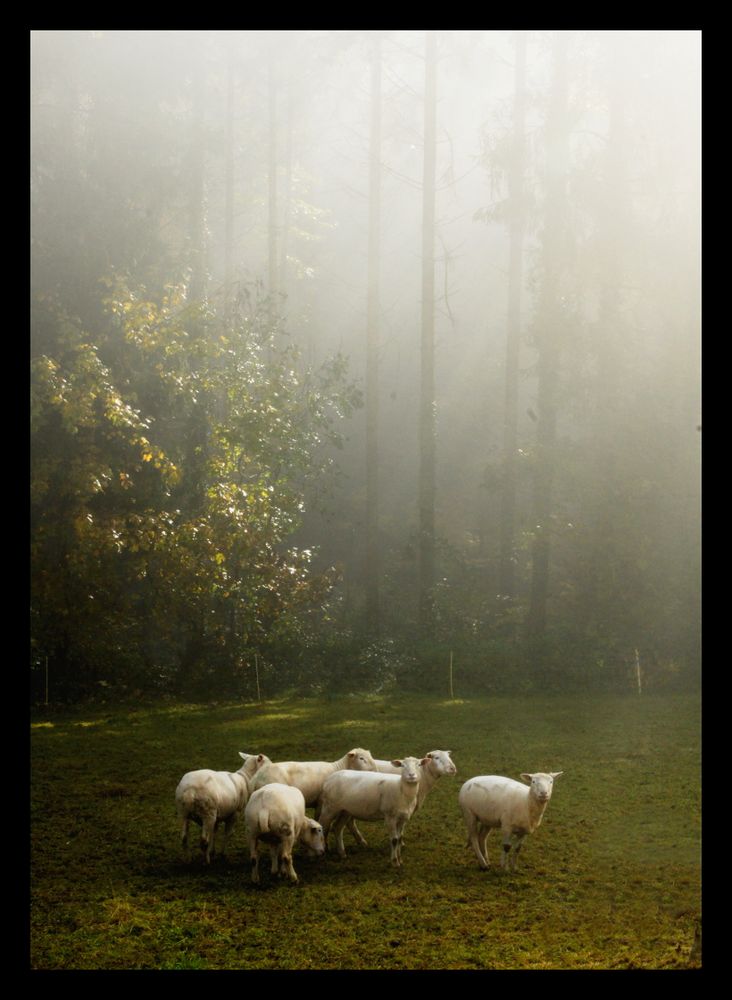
pixel 565 492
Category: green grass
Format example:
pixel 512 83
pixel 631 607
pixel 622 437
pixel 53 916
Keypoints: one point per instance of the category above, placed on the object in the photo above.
pixel 610 880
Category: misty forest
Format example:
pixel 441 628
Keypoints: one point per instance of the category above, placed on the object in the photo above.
pixel 355 352
pixel 365 420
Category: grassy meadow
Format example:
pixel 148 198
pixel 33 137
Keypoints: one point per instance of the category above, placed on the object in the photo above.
pixel 611 880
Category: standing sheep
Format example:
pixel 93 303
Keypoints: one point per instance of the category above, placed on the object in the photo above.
pixel 371 796
pixel 490 801
pixel 211 798
pixel 275 814
pixel 309 775
pixel 438 764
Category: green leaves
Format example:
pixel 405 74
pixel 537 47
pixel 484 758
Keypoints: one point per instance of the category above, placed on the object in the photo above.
pixel 171 457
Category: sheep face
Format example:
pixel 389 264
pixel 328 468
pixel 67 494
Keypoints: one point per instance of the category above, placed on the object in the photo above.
pixel 410 768
pixel 253 762
pixel 360 760
pixel 541 784
pixel 312 837
pixel 440 763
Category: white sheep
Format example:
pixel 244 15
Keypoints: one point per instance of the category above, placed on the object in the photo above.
pixel 490 801
pixel 372 796
pixel 211 798
pixel 386 767
pixel 309 775
pixel 438 764
pixel 275 814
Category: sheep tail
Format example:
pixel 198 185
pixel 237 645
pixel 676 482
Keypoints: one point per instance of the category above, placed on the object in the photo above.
pixel 189 801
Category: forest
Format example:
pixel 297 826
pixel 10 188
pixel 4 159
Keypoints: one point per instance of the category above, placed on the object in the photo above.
pixel 364 360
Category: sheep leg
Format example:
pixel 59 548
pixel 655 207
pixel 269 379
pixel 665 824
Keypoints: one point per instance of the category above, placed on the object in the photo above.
pixel 338 827
pixel 274 857
pixel 286 867
pixel 357 835
pixel 474 837
pixel 254 857
pixel 511 845
pixel 483 840
pixel 517 847
pixel 208 836
pixel 393 842
pixel 401 824
pixel 402 827
pixel 228 826
pixel 395 828
pixel 395 852
pixel 325 819
pixel 184 835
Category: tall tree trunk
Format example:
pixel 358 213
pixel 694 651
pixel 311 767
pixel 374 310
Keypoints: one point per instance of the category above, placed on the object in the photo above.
pixel 506 580
pixel 229 186
pixel 549 334
pixel 272 186
pixel 427 386
pixel 372 350
pixel 197 434
pixel 612 224
pixel 287 194
pixel 196 191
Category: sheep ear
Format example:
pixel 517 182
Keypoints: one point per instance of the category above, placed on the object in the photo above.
pixel 243 755
pixel 526 777
pixel 555 774
pixel 396 763
pixel 425 760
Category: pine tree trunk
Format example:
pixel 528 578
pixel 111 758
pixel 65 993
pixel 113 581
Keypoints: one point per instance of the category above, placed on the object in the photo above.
pixel 427 386
pixel 287 193
pixel 197 431
pixel 272 187
pixel 196 192
pixel 372 351
pixel 612 223
pixel 506 583
pixel 549 335
pixel 229 187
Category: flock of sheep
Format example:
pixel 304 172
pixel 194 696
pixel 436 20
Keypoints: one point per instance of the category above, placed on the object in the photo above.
pixel 274 797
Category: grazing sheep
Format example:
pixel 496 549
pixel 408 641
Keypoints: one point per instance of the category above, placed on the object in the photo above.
pixel 212 798
pixel 309 775
pixel 372 796
pixel 275 814
pixel 491 801
pixel 438 764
